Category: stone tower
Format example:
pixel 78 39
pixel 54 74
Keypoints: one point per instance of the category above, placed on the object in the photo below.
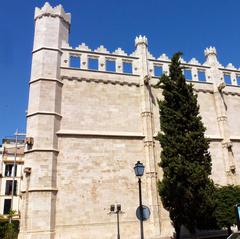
pixel 43 121
pixel 91 122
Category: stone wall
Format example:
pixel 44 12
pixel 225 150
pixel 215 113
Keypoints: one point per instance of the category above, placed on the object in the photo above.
pixel 92 124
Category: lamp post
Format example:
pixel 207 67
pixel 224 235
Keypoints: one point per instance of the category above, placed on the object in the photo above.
pixel 139 171
pixel 116 210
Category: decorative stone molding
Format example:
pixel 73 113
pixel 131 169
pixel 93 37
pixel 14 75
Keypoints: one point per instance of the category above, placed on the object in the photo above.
pixel 41 150
pixel 203 91
pixel 221 118
pixel 147 114
pixel 46 79
pixel 221 86
pixel 227 144
pixel 141 40
pixel 235 138
pixel 230 66
pixel 65 132
pixel 83 47
pixel 232 168
pixel 66 45
pixel 150 56
pixel 194 61
pixel 134 54
pixel 102 49
pixel 210 51
pixel 164 57
pixel 149 143
pixel 147 79
pixel 182 60
pixel 47 189
pixel 120 52
pixel 231 93
pixel 48 10
pixel 44 113
pixel 211 57
pixel 212 69
pixel 46 48
pixel 151 174
pixel 104 81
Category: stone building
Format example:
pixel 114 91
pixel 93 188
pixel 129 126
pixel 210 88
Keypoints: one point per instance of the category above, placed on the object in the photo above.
pixel 92 115
pixel 11 153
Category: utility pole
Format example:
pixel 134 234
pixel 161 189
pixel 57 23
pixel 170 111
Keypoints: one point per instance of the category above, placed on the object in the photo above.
pixel 14 171
pixel 116 209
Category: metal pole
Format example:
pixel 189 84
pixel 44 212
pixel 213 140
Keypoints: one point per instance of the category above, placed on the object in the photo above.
pixel 237 215
pixel 118 228
pixel 141 208
pixel 3 152
pixel 14 170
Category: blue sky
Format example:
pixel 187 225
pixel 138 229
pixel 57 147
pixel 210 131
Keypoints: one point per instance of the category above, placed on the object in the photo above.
pixel 170 25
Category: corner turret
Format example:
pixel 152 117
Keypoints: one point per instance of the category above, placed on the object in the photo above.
pixel 141 40
pixel 48 10
pixel 211 56
pixel 52 26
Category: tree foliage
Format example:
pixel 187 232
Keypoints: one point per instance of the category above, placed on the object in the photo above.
pixel 8 230
pixel 185 160
pixel 226 197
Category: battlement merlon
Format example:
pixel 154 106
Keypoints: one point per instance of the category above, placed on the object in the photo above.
pixel 141 40
pixel 211 57
pixel 48 10
pixel 210 51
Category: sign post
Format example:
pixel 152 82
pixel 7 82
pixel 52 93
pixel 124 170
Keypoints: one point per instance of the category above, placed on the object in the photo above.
pixel 237 211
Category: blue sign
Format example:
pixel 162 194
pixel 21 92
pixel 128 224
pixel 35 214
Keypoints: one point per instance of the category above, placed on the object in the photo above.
pixel 238 210
pixel 145 213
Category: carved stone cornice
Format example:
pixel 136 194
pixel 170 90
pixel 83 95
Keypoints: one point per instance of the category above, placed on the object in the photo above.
pixel 104 81
pixel 42 150
pixel 231 93
pixel 149 143
pixel 227 144
pixel 47 49
pixel 222 118
pixel 98 133
pixel 151 174
pixel 44 113
pixel 46 79
pixel 47 189
pixel 146 114
pixel 203 90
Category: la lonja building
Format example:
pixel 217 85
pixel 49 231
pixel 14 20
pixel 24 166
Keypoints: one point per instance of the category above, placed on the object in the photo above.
pixel 91 121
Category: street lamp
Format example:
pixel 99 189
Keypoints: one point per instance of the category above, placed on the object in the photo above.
pixel 139 171
pixel 116 209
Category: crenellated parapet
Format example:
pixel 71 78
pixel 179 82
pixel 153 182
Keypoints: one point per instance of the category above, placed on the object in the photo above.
pixel 210 51
pixel 141 40
pixel 211 57
pixel 193 69
pixel 48 10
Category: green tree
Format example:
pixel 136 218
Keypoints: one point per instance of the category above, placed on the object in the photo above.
pixel 185 160
pixel 226 197
pixel 9 230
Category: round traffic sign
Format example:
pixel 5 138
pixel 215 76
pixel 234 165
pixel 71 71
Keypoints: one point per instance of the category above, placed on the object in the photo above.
pixel 145 213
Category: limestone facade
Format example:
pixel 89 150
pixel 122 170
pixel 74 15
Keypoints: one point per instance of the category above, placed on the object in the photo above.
pixel 92 122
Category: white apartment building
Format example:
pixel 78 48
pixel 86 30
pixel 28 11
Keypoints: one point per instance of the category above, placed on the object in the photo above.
pixel 11 152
